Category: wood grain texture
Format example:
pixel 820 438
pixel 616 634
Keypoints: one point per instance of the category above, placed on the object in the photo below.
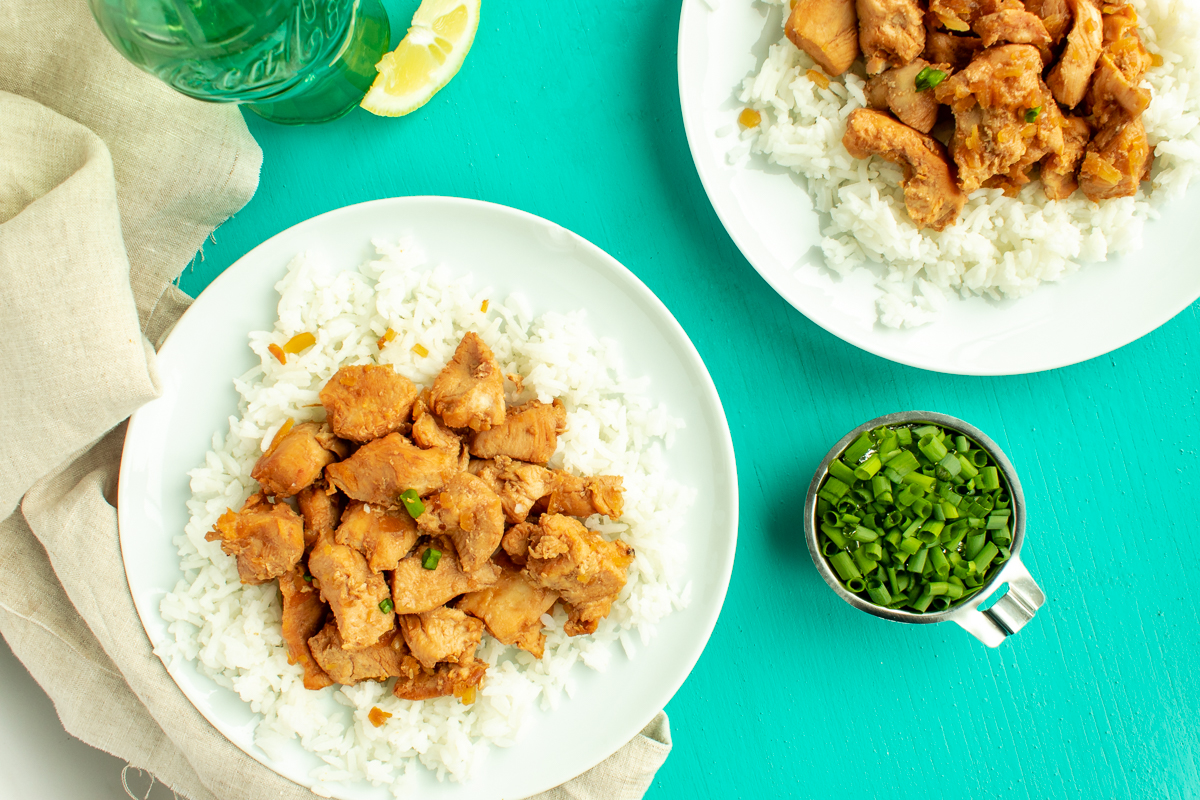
pixel 570 110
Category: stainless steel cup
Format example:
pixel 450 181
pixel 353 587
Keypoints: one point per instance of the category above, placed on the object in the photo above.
pixel 1010 613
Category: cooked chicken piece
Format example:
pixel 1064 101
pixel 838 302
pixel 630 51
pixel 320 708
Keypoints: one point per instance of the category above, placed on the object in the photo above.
pixel 459 680
pixel 584 568
pixel 961 15
pixel 1004 115
pixel 931 196
pixel 471 514
pixel 383 535
pixel 366 401
pixel 891 33
pixel 1056 16
pixel 896 90
pixel 946 48
pixel 430 432
pixel 1069 78
pixel 1059 169
pixel 518 485
pixel 583 496
pixel 529 433
pixel 353 591
pixel 266 538
pixel 382 660
pixel 516 542
pixel 303 615
pixel 416 589
pixel 1123 42
pixel 296 459
pixel 827 30
pixel 1016 26
pixel 1117 160
pixel 1114 99
pixel 381 470
pixel 321 508
pixel 513 610
pixel 469 391
pixel 443 634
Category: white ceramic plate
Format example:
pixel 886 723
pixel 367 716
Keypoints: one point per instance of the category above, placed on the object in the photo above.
pixel 769 216
pixel 509 251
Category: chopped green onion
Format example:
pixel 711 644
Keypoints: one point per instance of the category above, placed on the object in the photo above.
pixel 386 606
pixel 844 564
pixel 835 535
pixel 308 578
pixel 1032 114
pixel 412 503
pixel 431 558
pixel 867 469
pixel 858 448
pixel 839 470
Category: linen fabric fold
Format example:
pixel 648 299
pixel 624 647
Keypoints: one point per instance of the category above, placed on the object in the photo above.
pixel 109 184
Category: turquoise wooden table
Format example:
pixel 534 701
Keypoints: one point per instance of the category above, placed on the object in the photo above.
pixel 570 111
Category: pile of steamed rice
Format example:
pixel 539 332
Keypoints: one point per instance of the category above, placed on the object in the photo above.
pixel 1000 246
pixel 233 631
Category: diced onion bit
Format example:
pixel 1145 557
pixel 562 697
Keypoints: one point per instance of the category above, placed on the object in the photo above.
pixel 300 342
pixel 277 351
pixel 749 118
pixel 928 78
pixel 377 716
pixel 911 513
pixel 483 306
pixel 386 606
pixel 431 558
pixel 1031 114
pixel 420 350
pixel 412 503
pixel 1156 60
pixel 818 78
pixel 388 336
pixel 467 695
pixel 283 431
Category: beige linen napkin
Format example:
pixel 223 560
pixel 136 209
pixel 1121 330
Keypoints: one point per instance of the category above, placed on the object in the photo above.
pixel 109 184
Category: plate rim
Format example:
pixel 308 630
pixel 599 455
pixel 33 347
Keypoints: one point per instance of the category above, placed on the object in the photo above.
pixel 850 335
pixel 617 272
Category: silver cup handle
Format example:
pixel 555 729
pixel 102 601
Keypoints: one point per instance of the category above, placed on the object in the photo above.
pixel 1010 613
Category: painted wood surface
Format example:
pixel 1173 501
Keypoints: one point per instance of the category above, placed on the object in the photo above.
pixel 570 110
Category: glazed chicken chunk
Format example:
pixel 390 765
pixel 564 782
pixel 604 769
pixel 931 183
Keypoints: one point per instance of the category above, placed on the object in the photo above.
pixel 381 470
pixel 584 568
pixel 891 33
pixel 303 616
pixel 460 680
pixel 416 589
pixel 295 459
pixel 946 48
pixel 366 401
pixel 518 485
pixel 1068 79
pixel 1012 25
pixel 443 634
pixel 1004 115
pixel 354 593
pixel 1117 160
pixel 827 30
pixel 512 608
pixel 529 433
pixel 430 432
pixel 1056 16
pixel 896 91
pixel 931 196
pixel 266 538
pixel 471 515
pixel 382 660
pixel 1059 169
pixel 469 391
pixel 321 509
pixel 384 536
pixel 580 496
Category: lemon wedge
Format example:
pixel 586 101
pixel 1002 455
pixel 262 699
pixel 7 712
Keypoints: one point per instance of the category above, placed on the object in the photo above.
pixel 430 54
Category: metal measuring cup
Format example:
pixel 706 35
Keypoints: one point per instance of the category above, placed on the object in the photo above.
pixel 1010 612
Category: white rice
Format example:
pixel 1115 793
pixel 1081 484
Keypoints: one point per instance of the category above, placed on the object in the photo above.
pixel 1000 246
pixel 233 631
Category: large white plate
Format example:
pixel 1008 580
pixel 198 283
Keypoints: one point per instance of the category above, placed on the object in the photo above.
pixel 769 216
pixel 509 251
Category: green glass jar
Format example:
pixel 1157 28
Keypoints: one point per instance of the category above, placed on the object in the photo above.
pixel 291 61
